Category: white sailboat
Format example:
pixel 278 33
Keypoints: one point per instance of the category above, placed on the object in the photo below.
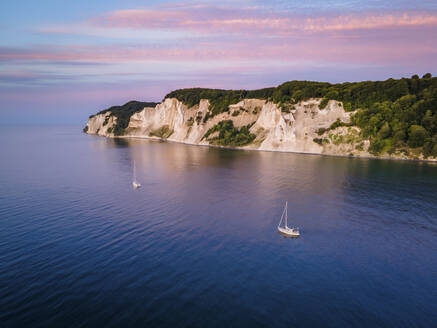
pixel 135 184
pixel 286 231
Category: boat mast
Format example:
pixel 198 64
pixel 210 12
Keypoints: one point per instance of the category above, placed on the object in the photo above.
pixel 135 175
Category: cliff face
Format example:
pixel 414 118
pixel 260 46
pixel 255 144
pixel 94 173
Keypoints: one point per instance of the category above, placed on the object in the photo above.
pixel 305 128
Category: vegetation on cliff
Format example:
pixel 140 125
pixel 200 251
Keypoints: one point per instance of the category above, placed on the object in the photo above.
pixel 407 124
pixel 163 132
pixel 228 135
pixel 123 114
pixel 219 99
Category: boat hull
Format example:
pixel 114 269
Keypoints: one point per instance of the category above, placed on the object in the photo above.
pixel 136 185
pixel 289 232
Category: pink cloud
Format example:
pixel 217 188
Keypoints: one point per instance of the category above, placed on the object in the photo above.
pixel 305 49
pixel 242 40
pixel 207 21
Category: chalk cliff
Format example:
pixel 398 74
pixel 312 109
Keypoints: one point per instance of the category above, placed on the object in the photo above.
pixel 305 128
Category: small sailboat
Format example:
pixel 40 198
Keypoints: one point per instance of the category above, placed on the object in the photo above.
pixel 135 184
pixel 286 231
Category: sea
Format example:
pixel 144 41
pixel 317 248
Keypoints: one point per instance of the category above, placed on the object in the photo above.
pixel 197 245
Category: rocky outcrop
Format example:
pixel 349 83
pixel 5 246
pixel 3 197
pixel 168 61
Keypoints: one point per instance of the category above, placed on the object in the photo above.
pixel 295 130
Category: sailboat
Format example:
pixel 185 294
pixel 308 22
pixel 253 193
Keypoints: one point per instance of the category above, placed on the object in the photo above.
pixel 286 231
pixel 135 184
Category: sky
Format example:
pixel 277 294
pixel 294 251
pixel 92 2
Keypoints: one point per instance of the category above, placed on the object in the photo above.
pixel 61 61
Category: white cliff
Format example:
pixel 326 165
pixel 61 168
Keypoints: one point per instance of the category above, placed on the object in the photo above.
pixel 100 123
pixel 275 130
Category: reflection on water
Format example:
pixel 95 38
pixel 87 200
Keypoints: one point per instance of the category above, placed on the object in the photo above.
pixel 80 247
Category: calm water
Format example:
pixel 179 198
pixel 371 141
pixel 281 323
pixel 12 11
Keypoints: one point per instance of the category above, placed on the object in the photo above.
pixel 197 245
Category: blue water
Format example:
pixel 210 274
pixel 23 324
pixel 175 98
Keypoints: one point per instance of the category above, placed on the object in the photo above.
pixel 197 245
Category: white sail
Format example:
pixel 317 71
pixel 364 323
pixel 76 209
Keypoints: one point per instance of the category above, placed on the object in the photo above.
pixel 135 184
pixel 282 217
pixel 286 213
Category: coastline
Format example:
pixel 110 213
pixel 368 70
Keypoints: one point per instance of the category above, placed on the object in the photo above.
pixel 431 161
pixel 310 127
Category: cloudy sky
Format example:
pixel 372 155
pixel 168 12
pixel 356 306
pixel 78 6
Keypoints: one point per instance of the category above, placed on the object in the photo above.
pixel 63 60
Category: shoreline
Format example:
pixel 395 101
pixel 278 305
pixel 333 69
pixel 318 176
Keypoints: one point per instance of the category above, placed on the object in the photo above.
pixel 431 161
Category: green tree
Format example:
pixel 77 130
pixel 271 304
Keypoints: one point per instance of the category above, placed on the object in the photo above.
pixel 376 146
pixel 385 131
pixel 427 148
pixel 427 120
pixel 434 150
pixel 297 96
pixel 374 124
pixel 416 136
pixel 399 137
pixel 332 94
